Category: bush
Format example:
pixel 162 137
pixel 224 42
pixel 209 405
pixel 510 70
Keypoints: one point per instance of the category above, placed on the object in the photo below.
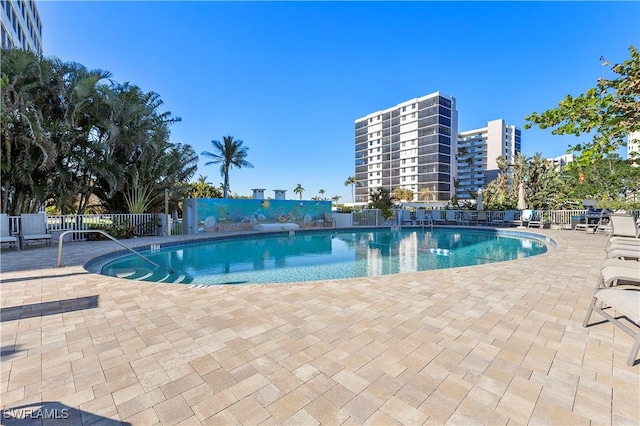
pixel 116 230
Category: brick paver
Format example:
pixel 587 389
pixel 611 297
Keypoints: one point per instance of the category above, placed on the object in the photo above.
pixel 492 344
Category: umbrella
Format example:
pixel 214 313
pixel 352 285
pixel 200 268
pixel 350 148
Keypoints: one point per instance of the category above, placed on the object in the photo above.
pixel 479 202
pixel 522 204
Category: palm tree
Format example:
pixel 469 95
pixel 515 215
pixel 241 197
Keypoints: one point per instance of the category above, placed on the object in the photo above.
pixel 351 180
pixel 321 192
pixel 228 153
pixel 426 194
pixel 336 198
pixel 298 190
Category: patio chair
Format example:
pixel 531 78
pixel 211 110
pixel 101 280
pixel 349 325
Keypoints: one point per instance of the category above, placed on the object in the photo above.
pixel 328 221
pixel 5 236
pixel 482 218
pixel 436 217
pixel 421 216
pixel 405 217
pixel 33 227
pixel 625 300
pixel 507 219
pixel 535 220
pixel 623 228
pixel 625 251
pixel 525 217
pixel 451 216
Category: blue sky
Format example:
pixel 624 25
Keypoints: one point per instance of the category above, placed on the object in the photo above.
pixel 290 78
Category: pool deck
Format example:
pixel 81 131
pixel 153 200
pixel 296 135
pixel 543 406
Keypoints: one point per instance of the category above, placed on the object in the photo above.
pixel 494 344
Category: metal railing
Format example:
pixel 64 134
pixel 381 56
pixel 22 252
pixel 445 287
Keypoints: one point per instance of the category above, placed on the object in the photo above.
pixel 96 231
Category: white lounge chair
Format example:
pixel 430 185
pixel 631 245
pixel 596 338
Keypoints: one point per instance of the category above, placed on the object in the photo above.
pixel 33 227
pixel 436 217
pixel 507 218
pixel 625 300
pixel 530 218
pixel 5 235
pixel 482 218
pixel 405 217
pixel 623 228
pixel 451 216
pixel 618 288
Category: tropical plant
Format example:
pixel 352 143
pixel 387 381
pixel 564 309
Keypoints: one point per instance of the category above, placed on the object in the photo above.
pixel 73 138
pixel 381 198
pixel 203 189
pixel 608 112
pixel 335 199
pixel 403 194
pixel 322 192
pixel 351 180
pixel 229 153
pixel 426 194
pixel 298 190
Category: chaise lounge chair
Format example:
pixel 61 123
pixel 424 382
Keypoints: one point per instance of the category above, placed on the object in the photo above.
pixel 328 221
pixel 623 228
pixel 623 299
pixel 6 237
pixel 436 217
pixel 33 227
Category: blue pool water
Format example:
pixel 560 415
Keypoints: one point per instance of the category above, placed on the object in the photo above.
pixel 326 255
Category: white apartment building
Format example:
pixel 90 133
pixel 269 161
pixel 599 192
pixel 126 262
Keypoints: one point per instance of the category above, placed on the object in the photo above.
pixel 633 144
pixel 559 162
pixel 477 152
pixel 21 25
pixel 411 145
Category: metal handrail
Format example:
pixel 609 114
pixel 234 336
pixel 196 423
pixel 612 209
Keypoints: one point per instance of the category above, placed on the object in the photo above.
pixel 97 231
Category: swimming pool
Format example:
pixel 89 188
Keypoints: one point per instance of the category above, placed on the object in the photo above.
pixel 312 256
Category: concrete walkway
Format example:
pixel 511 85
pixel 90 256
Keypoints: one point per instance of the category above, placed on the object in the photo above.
pixel 492 344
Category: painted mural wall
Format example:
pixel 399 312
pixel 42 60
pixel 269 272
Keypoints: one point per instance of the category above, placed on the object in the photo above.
pixel 204 215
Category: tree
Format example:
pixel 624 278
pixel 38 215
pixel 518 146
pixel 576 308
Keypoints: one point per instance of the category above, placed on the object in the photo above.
pixel 351 180
pixel 403 194
pixel 335 199
pixel 381 198
pixel 26 152
pixel 229 153
pixel 609 112
pixel 298 190
pixel 321 192
pixel 203 189
pixel 426 194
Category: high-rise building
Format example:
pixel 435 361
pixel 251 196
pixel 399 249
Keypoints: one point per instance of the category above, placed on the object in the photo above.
pixel 558 163
pixel 633 145
pixel 21 25
pixel 411 145
pixel 478 151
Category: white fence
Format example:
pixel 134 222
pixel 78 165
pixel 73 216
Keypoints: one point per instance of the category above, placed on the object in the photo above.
pixel 154 224
pixel 139 224
pixel 553 218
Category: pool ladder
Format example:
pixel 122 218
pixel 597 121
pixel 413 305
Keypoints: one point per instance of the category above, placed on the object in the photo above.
pixel 97 231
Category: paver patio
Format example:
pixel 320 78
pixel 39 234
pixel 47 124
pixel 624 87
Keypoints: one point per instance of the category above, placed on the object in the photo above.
pixel 492 344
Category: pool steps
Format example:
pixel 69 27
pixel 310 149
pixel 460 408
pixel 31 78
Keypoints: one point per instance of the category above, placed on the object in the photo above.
pixel 158 275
